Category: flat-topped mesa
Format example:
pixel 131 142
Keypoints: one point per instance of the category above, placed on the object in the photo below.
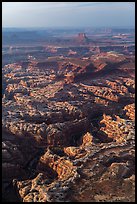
pixel 82 38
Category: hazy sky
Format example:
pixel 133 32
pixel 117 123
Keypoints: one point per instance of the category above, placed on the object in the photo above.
pixel 75 14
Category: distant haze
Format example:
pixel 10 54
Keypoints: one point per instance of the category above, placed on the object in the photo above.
pixel 68 14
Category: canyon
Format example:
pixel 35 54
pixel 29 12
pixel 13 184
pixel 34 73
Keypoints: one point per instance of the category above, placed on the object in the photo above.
pixel 68 127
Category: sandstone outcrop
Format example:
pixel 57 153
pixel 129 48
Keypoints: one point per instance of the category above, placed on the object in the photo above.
pixel 130 111
pixel 118 129
pixel 44 188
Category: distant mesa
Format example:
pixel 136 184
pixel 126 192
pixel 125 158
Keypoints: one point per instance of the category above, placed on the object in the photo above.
pixel 82 38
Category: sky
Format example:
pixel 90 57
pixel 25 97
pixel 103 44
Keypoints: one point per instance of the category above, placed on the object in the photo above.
pixel 68 14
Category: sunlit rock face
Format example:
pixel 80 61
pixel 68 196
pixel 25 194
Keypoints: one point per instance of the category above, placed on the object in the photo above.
pixel 118 129
pixel 68 131
pixel 130 111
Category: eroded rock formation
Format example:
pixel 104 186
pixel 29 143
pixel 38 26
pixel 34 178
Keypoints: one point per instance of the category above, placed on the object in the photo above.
pixel 68 131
